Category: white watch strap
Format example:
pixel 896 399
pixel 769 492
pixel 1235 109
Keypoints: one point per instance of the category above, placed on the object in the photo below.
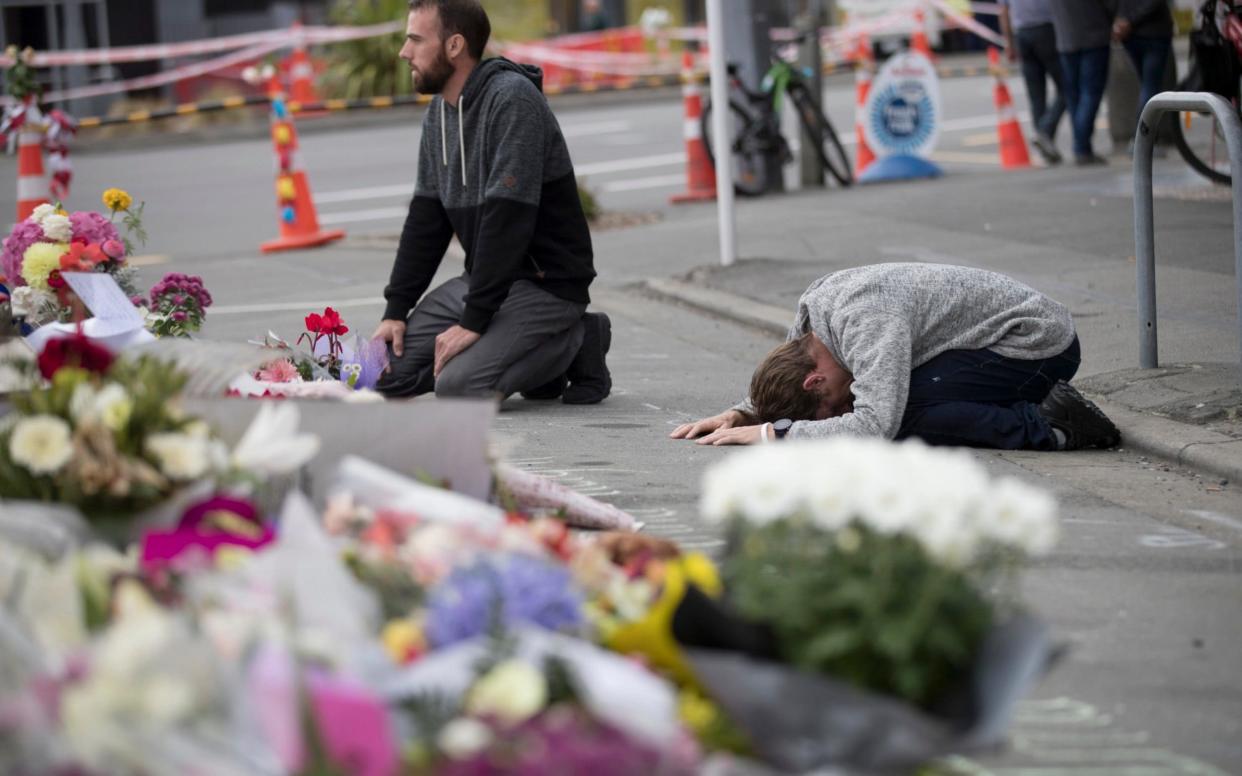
pixel 763 433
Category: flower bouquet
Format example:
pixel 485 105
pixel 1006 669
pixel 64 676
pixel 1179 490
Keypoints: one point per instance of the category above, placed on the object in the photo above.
pixel 356 364
pixel 177 305
pixel 883 577
pixel 52 241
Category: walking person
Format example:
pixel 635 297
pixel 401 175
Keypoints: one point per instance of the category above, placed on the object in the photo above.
pixel 1032 39
pixel 1145 28
pixel 1084 30
pixel 494 170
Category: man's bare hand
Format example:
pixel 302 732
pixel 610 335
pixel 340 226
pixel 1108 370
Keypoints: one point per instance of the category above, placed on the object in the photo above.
pixel 393 332
pixel 740 435
pixel 1122 29
pixel 726 419
pixel 451 342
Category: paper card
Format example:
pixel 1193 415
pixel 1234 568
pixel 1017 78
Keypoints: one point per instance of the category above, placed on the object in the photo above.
pixel 104 298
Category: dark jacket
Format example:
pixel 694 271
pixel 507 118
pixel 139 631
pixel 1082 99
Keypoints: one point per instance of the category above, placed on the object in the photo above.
pixel 1083 24
pixel 496 171
pixel 1148 18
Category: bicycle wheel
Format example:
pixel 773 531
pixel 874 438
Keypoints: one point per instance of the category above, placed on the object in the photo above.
pixel 817 125
pixel 1200 138
pixel 749 169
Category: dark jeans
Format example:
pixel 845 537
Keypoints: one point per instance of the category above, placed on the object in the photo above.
pixel 978 398
pixel 1086 76
pixel 1037 49
pixel 1150 57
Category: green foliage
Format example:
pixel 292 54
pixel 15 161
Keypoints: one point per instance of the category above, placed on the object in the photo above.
pixel 400 596
pixel 370 67
pixel 590 203
pixel 867 608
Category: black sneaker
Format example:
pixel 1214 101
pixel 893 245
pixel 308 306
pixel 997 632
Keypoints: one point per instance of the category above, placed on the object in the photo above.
pixel 548 391
pixel 1091 160
pixel 1076 416
pixel 1046 148
pixel 589 379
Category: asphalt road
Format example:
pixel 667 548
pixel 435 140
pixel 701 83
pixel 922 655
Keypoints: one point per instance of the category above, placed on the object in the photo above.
pixel 1145 586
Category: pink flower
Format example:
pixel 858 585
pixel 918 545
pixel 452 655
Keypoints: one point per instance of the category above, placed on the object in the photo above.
pixel 92 227
pixel 282 371
pixel 179 316
pixel 24 235
pixel 114 249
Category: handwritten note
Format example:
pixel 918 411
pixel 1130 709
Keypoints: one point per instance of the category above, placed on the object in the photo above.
pixel 105 299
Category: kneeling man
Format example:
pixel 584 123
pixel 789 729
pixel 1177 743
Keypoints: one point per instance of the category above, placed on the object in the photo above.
pixel 951 355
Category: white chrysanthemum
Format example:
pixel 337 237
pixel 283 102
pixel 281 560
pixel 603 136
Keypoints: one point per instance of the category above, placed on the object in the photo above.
pixel 41 443
pixel 113 407
pixel 58 228
pixel 42 212
pixel 180 456
pixel 1022 517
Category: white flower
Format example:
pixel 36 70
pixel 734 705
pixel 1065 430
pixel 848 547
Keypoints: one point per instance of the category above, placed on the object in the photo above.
pixel 272 445
pixel 57 228
pixel 463 737
pixel 82 403
pixel 512 692
pixel 27 302
pixel 41 213
pixel 180 456
pixel 110 406
pixel 41 443
pixel 1022 517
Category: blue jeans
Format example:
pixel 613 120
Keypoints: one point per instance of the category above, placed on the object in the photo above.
pixel 1037 48
pixel 979 398
pixel 1150 57
pixel 1086 75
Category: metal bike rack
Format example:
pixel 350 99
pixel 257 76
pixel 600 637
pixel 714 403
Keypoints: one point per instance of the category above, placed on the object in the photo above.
pixel 1144 224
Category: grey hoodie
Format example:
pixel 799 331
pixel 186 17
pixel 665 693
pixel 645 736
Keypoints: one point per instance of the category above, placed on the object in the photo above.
pixel 882 321
pixel 494 170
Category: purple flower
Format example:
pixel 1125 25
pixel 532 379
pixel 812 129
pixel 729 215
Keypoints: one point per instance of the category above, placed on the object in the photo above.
pixel 178 300
pixel 24 235
pixel 179 316
pixel 92 227
pixel 525 589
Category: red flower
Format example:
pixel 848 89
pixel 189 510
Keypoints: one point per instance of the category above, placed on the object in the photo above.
pixel 55 281
pixel 82 258
pixel 314 323
pixel 75 350
pixel 328 323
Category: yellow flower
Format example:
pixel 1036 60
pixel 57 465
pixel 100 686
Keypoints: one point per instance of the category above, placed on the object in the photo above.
pixel 511 692
pixel 38 262
pixel 403 640
pixel 696 711
pixel 117 199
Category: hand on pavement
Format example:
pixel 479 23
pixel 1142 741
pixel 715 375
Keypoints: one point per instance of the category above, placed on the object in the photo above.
pixel 742 435
pixel 392 332
pixel 450 343
pixel 726 419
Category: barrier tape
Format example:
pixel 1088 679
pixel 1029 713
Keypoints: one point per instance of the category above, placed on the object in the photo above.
pixel 281 38
pixel 967 23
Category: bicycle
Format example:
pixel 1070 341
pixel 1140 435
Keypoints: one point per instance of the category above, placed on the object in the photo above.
pixel 756 130
pixel 1215 66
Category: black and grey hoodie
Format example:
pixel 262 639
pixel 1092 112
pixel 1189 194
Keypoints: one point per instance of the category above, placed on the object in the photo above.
pixel 494 170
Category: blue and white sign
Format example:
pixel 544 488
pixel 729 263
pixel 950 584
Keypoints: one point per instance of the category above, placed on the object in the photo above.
pixel 902 113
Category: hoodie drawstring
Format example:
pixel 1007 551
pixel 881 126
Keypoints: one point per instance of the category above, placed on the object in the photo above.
pixel 461 137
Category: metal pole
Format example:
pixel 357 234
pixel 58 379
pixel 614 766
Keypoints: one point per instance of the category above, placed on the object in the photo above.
pixel 811 58
pixel 720 133
pixel 1144 226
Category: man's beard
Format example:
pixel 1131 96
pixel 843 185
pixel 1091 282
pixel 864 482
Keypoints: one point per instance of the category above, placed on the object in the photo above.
pixel 433 79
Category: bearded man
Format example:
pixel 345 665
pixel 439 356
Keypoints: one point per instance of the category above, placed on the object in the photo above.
pixel 951 355
pixel 493 168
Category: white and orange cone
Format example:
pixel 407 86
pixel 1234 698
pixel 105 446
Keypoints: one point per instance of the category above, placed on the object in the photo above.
pixel 299 223
pixel 864 67
pixel 1013 152
pixel 700 174
pixel 32 185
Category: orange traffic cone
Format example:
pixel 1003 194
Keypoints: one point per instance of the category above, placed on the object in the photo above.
pixel 1013 151
pixel 918 39
pixel 299 224
pixel 700 174
pixel 864 67
pixel 301 71
pixel 32 187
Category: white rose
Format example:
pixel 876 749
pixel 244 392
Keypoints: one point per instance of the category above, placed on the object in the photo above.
pixel 42 212
pixel 512 692
pixel 463 737
pixel 57 228
pixel 180 456
pixel 41 443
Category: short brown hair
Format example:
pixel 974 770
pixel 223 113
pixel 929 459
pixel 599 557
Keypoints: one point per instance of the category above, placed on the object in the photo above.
pixel 461 17
pixel 776 389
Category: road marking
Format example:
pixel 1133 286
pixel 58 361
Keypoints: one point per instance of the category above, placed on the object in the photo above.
pixel 980 139
pixel 149 260
pixel 965 157
pixel 352 216
pixel 337 304
pixel 375 192
pixel 598 128
pixel 625 165
pixel 636 184
pixel 1177 538
pixel 1215 517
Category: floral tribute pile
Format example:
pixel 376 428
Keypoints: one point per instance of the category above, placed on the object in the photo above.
pixel 329 366
pixel 375 640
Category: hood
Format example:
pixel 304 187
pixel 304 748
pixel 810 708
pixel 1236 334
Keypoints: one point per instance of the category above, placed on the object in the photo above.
pixel 475 85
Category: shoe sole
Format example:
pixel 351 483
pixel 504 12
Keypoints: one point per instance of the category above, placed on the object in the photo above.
pixel 1111 436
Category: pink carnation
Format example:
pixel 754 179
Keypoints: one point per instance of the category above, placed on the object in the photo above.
pixel 282 371
pixel 92 227
pixel 24 235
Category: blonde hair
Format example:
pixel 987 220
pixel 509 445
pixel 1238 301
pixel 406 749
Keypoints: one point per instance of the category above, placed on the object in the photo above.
pixel 776 390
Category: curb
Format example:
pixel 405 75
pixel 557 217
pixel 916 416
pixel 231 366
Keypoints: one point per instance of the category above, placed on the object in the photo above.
pixel 1177 443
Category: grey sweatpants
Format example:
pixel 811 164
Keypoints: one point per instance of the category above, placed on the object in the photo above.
pixel 531 340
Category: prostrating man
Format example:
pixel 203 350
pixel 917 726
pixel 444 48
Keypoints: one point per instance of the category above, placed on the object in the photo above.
pixel 951 355
pixel 1031 39
pixel 1084 31
pixel 493 168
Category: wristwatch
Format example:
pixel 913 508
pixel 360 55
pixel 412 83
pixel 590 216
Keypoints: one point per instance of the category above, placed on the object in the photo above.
pixel 781 427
